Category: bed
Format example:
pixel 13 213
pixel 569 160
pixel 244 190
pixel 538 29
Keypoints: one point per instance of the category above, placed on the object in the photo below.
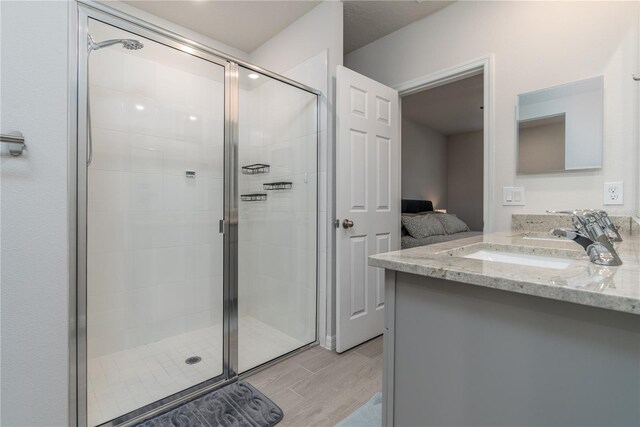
pixel 418 230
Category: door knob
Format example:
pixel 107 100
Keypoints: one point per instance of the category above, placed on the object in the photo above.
pixel 347 223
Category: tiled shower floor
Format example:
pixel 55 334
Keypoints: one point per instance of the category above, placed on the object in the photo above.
pixel 121 382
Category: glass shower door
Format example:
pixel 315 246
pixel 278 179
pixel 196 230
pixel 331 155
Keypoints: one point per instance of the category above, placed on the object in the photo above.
pixel 277 218
pixel 155 194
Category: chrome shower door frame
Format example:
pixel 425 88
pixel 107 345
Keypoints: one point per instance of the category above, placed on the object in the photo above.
pixel 79 371
pixel 80 13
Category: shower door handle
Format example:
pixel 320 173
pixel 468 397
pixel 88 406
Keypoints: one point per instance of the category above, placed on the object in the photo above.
pixel 347 223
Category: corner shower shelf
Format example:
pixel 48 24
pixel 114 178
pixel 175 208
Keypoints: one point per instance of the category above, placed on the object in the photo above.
pixel 255 169
pixel 285 185
pixel 256 197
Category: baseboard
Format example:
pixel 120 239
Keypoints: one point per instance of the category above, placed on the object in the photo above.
pixel 330 342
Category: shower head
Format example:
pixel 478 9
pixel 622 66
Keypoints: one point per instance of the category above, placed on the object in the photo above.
pixel 129 44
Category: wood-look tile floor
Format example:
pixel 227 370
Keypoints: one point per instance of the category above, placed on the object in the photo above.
pixel 319 387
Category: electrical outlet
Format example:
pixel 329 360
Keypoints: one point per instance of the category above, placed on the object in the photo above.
pixel 614 193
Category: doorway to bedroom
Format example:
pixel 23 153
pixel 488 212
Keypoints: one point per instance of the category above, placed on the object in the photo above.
pixel 374 180
pixel 443 161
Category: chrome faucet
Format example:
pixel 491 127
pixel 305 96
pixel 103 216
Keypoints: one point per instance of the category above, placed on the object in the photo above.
pixel 593 233
pixel 608 227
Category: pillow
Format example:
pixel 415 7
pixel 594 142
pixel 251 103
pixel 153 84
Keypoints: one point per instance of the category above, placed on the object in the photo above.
pixel 422 226
pixel 451 223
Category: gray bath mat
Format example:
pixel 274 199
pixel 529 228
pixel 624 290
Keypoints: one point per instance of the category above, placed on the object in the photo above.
pixel 235 405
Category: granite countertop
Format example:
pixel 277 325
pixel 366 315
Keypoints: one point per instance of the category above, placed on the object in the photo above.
pixel 581 282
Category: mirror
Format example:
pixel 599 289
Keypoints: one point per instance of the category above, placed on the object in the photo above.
pixel 561 128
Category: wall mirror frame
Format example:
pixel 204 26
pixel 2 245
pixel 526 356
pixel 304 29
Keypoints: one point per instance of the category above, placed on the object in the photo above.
pixel 560 128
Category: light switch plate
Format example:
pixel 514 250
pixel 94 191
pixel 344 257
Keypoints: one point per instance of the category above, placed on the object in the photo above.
pixel 513 196
pixel 613 193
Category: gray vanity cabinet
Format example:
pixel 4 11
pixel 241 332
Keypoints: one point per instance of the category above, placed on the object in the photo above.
pixel 466 355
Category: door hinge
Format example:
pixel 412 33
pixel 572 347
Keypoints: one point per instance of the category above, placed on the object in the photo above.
pixel 221 226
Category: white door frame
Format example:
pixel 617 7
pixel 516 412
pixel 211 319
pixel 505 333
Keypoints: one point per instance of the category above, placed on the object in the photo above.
pixel 474 67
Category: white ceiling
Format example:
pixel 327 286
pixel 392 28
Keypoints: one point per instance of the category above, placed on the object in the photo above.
pixel 367 21
pixel 244 25
pixel 449 109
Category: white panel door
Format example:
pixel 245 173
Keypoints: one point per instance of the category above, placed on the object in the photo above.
pixel 367 202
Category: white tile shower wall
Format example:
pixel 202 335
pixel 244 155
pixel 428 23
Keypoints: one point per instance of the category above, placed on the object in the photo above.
pixel 154 251
pixel 277 264
pixel 315 72
pixel 308 51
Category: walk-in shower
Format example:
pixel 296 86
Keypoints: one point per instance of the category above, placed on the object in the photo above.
pixel 197 219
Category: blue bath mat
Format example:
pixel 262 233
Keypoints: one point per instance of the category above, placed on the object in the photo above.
pixel 368 415
pixel 235 405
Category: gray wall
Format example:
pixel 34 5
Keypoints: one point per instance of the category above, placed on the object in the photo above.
pixel 464 177
pixel 580 40
pixel 448 170
pixel 424 164
pixel 35 309
pixel 541 148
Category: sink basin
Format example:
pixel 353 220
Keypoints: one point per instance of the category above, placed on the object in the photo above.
pixel 520 259
pixel 545 237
